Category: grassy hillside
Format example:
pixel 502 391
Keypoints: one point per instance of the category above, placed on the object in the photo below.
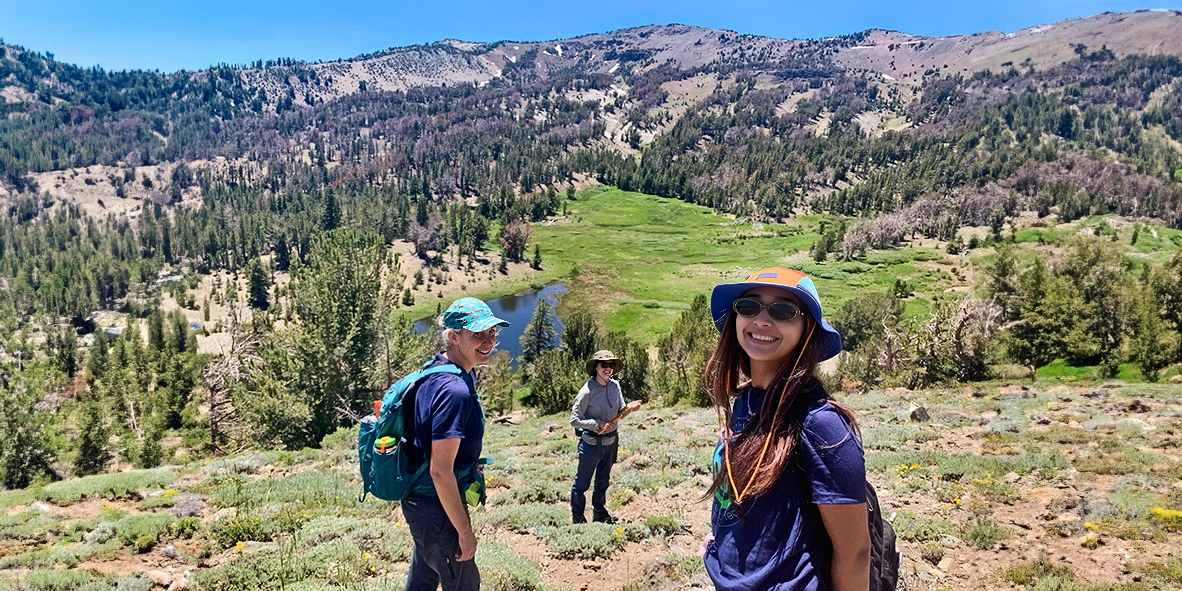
pixel 1047 488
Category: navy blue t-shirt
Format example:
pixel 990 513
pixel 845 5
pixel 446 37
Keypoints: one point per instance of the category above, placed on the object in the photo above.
pixel 779 541
pixel 446 408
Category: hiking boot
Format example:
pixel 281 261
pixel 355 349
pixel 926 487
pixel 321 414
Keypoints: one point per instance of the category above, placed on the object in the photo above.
pixel 578 519
pixel 603 517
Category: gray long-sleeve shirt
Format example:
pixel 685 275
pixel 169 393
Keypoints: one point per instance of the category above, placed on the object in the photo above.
pixel 595 404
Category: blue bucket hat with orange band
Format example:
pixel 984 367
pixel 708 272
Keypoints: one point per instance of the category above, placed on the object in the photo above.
pixel 724 296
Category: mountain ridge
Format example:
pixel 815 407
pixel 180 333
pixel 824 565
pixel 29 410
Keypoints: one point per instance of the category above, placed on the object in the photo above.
pixel 900 55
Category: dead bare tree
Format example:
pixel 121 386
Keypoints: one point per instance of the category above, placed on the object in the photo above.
pixel 973 325
pixel 226 432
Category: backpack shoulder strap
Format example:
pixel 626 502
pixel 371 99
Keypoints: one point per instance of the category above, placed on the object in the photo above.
pixel 430 368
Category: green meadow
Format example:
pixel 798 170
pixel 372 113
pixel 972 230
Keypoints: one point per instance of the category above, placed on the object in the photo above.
pixel 639 260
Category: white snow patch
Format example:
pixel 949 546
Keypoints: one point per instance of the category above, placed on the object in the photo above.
pixel 558 48
pixel 614 68
pixel 1033 30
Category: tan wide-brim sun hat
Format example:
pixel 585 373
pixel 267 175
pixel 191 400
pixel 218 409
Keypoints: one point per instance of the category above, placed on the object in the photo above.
pixel 602 355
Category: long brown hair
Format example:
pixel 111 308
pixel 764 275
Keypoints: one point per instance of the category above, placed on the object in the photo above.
pixel 781 413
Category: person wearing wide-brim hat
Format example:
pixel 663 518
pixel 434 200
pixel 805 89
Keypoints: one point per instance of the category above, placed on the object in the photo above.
pixel 598 407
pixel 790 500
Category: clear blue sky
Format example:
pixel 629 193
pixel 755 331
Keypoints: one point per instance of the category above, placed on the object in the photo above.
pixel 192 34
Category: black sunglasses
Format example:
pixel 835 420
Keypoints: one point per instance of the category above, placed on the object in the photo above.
pixel 782 311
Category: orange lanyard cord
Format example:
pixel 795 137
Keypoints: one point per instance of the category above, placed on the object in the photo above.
pixel 766 442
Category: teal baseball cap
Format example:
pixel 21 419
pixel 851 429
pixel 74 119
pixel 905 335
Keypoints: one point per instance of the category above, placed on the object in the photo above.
pixel 472 314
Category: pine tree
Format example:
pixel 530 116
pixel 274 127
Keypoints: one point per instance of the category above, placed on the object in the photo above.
pixel 98 360
pixel 537 262
pixel 497 381
pixel 66 353
pixel 340 299
pixel 557 377
pixel 282 254
pixel 156 331
pixel 540 333
pixel 683 354
pixel 258 296
pixel 580 335
pixel 1037 337
pixel 1002 278
pixel 635 375
pixel 1152 346
pixel 24 449
pixel 150 452
pixel 94 441
pixel 332 212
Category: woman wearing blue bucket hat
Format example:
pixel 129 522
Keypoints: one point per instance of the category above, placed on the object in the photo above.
pixel 789 488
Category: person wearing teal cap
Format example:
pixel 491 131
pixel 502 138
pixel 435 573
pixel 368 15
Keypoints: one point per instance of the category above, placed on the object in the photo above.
pixel 448 432
pixel 790 496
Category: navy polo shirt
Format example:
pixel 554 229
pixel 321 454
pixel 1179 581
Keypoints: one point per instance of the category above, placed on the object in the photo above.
pixel 779 542
pixel 446 408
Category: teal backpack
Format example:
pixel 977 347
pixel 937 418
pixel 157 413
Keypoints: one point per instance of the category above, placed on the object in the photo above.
pixel 386 469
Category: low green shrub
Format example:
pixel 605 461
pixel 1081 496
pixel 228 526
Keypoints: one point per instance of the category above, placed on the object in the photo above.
pixel 591 540
pixel 1124 460
pixel 992 489
pixel 262 572
pixel 620 497
pixel 119 485
pixel 984 535
pixel 917 528
pixel 1030 573
pixel 56 580
pixel 164 499
pixel 141 532
pixel 539 491
pixel 1169 571
pixel 20 496
pixel 292 564
pixel 525 518
pixel 1133 501
pixel 185 527
pixel 240 529
pixel 37 557
pixel 503 570
pixel 932 552
pixel 1170 519
pixel 663 525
